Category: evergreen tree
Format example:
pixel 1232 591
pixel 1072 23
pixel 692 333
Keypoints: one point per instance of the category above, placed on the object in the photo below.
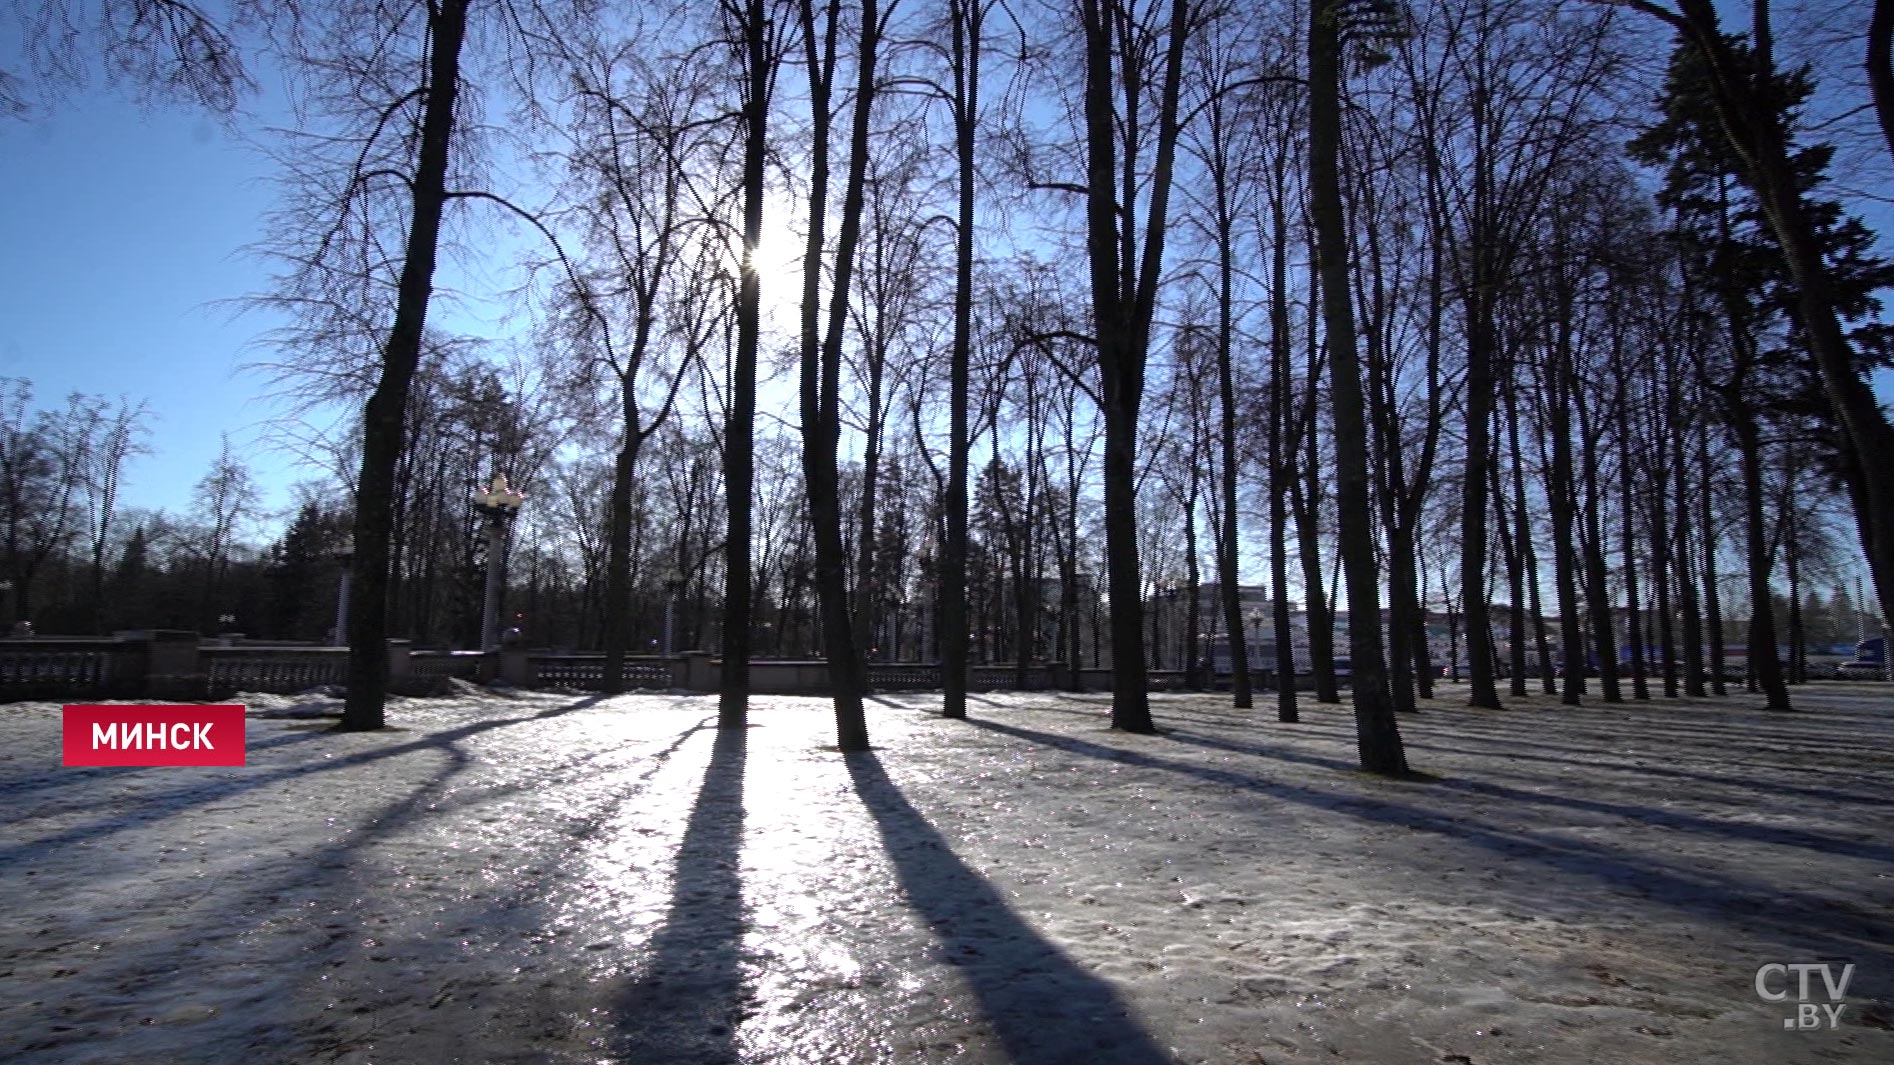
pixel 1762 374
pixel 129 598
pixel 302 576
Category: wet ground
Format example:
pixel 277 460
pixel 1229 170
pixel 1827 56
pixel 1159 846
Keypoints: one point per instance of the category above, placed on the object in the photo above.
pixel 563 878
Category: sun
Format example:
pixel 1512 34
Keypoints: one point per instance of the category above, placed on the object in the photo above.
pixel 779 249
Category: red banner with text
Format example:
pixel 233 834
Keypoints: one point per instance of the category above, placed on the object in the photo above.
pixel 153 734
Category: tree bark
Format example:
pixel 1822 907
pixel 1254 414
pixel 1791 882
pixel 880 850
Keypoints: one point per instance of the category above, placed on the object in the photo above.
pixel 1124 295
pixel 739 456
pixel 1592 547
pixel 1712 595
pixel 384 417
pixel 1281 475
pixel 966 16
pixel 1378 737
pixel 1763 664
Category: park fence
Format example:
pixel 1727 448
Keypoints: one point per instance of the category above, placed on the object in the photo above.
pixel 178 665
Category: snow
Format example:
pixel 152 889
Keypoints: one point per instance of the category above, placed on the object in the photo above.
pixel 545 877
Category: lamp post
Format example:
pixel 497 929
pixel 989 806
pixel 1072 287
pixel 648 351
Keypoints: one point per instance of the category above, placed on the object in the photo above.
pixel 344 555
pixel 500 502
pixel 671 588
pixel 1177 627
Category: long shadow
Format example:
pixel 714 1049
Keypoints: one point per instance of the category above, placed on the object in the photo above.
pixel 332 866
pixel 1787 837
pixel 686 1003
pixel 1471 727
pixel 1669 772
pixel 1747 736
pixel 43 785
pixel 1815 922
pixel 518 907
pixel 330 871
pixel 236 781
pixel 1045 1009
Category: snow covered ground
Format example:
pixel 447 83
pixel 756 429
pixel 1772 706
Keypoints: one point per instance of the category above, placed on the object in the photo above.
pixel 537 877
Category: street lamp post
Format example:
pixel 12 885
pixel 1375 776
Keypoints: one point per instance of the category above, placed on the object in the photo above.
pixel 1177 626
pixel 1256 638
pixel 344 555
pixel 500 502
pixel 671 588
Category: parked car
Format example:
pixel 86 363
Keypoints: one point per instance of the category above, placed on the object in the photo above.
pixel 1860 671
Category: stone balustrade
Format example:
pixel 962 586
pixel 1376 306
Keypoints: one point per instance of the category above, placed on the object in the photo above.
pixel 177 665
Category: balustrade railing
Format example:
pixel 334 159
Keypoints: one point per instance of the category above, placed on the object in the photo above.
pixel 278 670
pixel 181 665
pixel 68 669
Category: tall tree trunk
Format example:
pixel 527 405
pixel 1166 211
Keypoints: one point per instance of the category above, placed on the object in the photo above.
pixel 1378 737
pixel 1281 476
pixel 1390 481
pixel 1517 562
pixel 1627 526
pixel 1306 501
pixel 822 354
pixel 1560 493
pixel 618 562
pixel 1124 294
pixel 739 457
pixel 1661 575
pixel 1228 537
pixel 1592 546
pixel 1193 590
pixel 1481 387
pixel 1792 550
pixel 967 16
pixel 384 416
pixel 1684 570
pixel 1762 624
pixel 1712 595
pixel 1515 580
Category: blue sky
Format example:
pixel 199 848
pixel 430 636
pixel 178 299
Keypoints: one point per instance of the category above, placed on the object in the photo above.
pixel 123 229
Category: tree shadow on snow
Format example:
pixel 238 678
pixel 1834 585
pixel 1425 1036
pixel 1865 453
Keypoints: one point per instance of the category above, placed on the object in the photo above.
pixel 1042 1005
pixel 41 786
pixel 688 998
pixel 1812 923
pixel 1510 753
pixel 236 780
pixel 1683 822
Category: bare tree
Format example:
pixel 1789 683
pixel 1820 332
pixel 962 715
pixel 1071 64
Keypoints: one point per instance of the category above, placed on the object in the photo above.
pixel 42 473
pixel 822 334
pixel 1134 59
pixel 163 47
pixel 1378 737
pixel 224 502
pixel 120 434
pixel 362 235
pixel 751 39
pixel 646 305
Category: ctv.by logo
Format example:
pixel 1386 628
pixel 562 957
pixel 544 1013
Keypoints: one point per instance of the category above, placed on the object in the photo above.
pixel 1808 1014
